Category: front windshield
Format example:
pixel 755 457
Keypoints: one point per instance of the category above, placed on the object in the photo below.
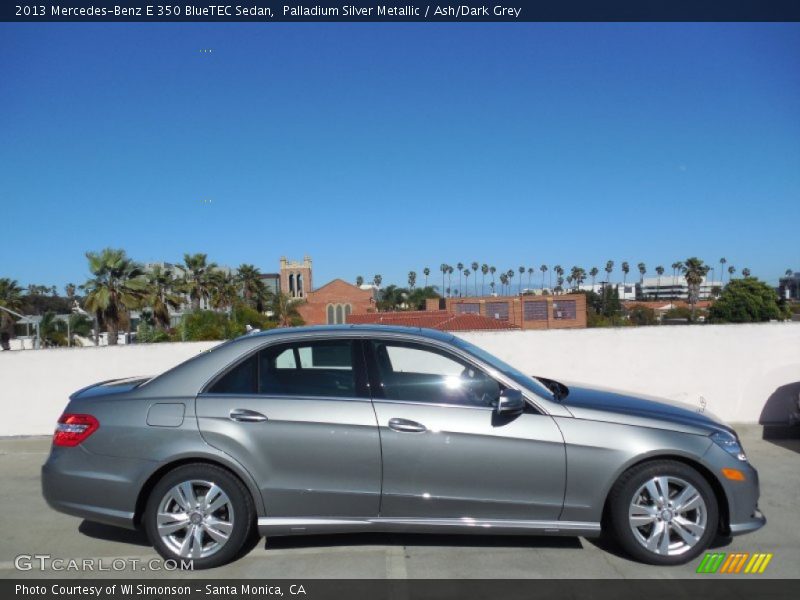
pixel 506 369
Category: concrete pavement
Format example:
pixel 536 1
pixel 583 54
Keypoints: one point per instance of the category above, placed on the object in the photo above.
pixel 30 527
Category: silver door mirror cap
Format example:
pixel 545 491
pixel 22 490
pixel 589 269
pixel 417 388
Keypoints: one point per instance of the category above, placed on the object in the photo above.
pixel 510 402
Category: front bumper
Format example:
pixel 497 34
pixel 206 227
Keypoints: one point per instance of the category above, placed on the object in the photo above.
pixel 754 523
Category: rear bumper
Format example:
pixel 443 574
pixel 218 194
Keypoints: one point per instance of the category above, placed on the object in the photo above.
pixel 97 488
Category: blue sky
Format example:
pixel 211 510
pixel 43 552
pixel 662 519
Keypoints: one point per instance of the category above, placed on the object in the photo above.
pixel 385 148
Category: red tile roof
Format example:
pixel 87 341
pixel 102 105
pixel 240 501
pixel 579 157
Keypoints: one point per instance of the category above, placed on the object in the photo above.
pixel 432 319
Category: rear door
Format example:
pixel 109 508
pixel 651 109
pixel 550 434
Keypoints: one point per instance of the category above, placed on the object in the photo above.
pixel 447 453
pixel 298 417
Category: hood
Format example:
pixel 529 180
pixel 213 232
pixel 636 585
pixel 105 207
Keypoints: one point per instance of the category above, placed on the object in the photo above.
pixel 609 405
pixel 109 387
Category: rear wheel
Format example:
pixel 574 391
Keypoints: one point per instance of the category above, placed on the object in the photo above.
pixel 663 512
pixel 201 513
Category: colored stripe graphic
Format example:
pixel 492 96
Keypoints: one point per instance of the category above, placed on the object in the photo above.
pixel 734 562
pixel 720 562
pixel 758 563
pixel 711 562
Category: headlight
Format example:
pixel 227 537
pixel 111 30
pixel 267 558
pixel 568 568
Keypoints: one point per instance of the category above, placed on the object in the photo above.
pixel 730 443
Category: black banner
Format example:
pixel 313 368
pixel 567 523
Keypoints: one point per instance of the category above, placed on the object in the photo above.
pixel 713 588
pixel 266 11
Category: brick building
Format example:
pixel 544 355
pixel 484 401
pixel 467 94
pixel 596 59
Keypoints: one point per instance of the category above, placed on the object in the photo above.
pixel 567 311
pixel 334 302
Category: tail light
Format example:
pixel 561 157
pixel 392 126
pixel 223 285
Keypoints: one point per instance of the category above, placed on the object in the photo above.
pixel 72 429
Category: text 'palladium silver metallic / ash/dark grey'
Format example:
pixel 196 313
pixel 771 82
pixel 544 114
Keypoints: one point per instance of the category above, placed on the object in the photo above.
pixel 373 428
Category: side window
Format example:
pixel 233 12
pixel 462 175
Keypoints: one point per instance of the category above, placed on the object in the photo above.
pixel 418 373
pixel 239 380
pixel 317 368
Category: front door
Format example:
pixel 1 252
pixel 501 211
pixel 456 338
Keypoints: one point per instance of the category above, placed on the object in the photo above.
pixel 298 417
pixel 447 453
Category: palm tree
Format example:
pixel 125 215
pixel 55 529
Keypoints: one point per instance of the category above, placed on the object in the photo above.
pixel 225 291
pixel 722 262
pixel 731 271
pixel 745 272
pixel 593 273
pixel 521 275
pixel 426 271
pixel 492 271
pixel 510 274
pixel 197 280
pixel 609 268
pixel 467 273
pixel 253 289
pixel 559 271
pixel 117 286
pixel 626 268
pixel 412 279
pixel 443 268
pixel 694 271
pixel 360 280
pixel 503 283
pixel 642 270
pixel 530 274
pixel 449 278
pixel 543 269
pixel 491 285
pixel 160 294
pixel 676 267
pixel 475 266
pixel 11 300
pixel 460 267
pixel 377 280
pixel 484 271
pixel 284 309
pixel 70 290
pixel 659 272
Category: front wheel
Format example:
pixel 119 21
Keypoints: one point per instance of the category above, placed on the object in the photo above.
pixel 663 512
pixel 199 513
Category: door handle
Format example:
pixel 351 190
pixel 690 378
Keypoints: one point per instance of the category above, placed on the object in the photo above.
pixel 243 415
pixel 406 426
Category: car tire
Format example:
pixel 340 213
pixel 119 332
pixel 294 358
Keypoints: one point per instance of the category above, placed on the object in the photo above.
pixel 200 513
pixel 663 512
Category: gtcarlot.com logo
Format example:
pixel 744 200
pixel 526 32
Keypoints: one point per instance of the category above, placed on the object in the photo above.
pixel 735 562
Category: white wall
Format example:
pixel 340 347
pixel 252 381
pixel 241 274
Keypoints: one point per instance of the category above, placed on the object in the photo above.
pixel 734 369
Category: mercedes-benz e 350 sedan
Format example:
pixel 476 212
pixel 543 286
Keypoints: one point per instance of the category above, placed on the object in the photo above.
pixel 374 428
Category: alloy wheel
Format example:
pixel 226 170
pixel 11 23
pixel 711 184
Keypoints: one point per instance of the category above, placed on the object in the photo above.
pixel 195 519
pixel 668 516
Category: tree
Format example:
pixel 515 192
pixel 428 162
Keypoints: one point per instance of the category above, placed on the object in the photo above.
pixel 530 275
pixel 377 280
pixel 426 271
pixel 467 273
pixel 747 300
pixel 117 286
pixel 694 271
pixel 677 267
pixel 722 262
pixel 510 276
pixel 642 315
pixel 484 271
pixel 642 270
pixel 521 275
pixel 160 295
pixel 359 280
pixel 449 278
pixel 626 268
pixel 731 271
pixel 543 269
pixel 492 271
pixel 460 267
pixel 659 272
pixel 253 289
pixel 70 289
pixel 197 280
pixel 593 274
pixel 412 279
pixel 224 291
pixel 609 269
pixel 559 271
pixel 745 272
pixel 443 268
pixel 284 310
pixel 10 299
pixel 475 266
pixel 418 296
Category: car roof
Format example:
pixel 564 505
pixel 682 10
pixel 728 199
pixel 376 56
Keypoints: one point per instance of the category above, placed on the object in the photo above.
pixel 433 334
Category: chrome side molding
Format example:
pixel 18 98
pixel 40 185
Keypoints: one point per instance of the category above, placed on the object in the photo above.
pixel 278 526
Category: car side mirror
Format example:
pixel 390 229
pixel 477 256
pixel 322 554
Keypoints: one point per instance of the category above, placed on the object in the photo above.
pixel 510 402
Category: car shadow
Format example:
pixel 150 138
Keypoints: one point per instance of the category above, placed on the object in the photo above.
pixel 422 539
pixel 110 533
pixel 780 417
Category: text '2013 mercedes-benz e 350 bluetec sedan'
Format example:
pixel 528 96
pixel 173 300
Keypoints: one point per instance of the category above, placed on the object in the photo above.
pixel 375 428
